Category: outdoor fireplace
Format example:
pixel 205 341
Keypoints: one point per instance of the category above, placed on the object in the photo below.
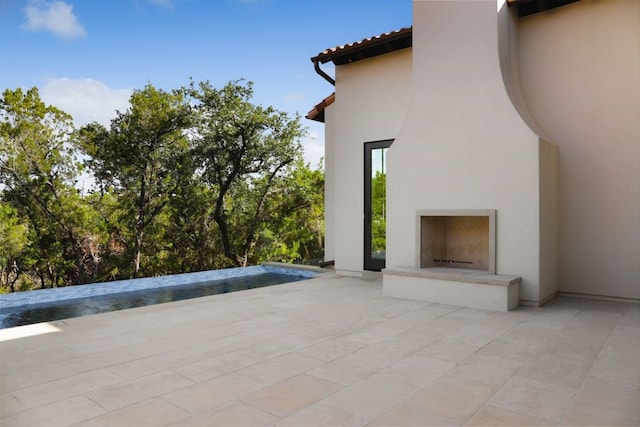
pixel 457 239
pixel 455 263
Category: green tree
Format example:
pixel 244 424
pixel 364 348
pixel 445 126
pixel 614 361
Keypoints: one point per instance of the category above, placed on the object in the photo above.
pixel 142 158
pixel 243 151
pixel 191 230
pixel 38 170
pixel 295 229
pixel 13 242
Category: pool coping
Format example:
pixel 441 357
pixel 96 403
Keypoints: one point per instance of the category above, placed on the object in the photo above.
pixel 43 296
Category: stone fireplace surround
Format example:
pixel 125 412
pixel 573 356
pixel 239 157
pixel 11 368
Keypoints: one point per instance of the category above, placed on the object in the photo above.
pixel 455 263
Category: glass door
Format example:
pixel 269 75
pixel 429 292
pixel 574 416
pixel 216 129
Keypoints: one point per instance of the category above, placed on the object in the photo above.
pixel 375 204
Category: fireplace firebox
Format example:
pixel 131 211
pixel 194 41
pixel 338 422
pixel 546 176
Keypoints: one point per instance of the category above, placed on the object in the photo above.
pixel 457 239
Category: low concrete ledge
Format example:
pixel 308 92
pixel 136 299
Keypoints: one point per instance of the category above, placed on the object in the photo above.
pixel 290 266
pixel 470 288
pixel 455 274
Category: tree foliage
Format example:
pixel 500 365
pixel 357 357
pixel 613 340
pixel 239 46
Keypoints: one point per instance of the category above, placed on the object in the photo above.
pixel 244 152
pixel 140 158
pixel 37 172
pixel 185 180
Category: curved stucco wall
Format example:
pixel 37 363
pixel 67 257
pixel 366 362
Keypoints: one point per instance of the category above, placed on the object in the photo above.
pixel 576 72
pixel 463 145
pixel 372 96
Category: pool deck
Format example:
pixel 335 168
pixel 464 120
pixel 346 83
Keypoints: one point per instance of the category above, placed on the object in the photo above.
pixel 328 351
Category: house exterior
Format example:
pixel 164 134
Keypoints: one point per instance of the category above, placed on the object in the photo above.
pixel 508 138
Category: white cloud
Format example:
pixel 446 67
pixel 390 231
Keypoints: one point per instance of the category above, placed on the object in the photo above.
pixel 55 16
pixel 87 100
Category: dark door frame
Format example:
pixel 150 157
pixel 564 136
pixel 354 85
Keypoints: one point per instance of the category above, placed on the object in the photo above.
pixel 370 263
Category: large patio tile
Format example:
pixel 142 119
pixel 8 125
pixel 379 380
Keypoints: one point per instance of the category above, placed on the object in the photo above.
pixel 15 359
pixel 151 413
pixel 331 349
pixel 9 404
pixel 288 343
pixel 416 369
pixel 186 335
pixel 319 415
pixel 554 370
pixel 603 321
pixel 395 348
pixel 610 397
pixel 484 370
pixel 410 319
pixel 346 370
pixel 101 344
pixel 589 417
pixel 221 345
pixel 131 392
pixel 46 372
pixel 502 348
pixel 451 398
pixel 230 415
pixel 609 308
pixel 618 365
pixel 481 332
pixel 490 415
pixel 66 387
pixel 279 368
pixel 210 367
pixel 372 334
pixel 451 350
pixel 404 415
pixel 210 394
pixel 61 413
pixel 291 395
pixel 450 323
pixel 369 398
pixel 527 334
pixel 573 349
pixel 551 317
pixel 149 365
pixel 534 398
pixel 310 329
pixel 624 343
pixel 585 333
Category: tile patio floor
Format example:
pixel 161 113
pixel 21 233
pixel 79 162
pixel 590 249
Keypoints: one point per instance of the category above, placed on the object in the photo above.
pixel 330 351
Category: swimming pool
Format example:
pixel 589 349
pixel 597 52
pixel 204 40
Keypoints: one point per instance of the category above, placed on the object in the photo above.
pixel 24 308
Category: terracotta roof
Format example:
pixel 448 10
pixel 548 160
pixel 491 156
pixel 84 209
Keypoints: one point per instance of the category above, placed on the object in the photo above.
pixel 366 48
pixel 317 113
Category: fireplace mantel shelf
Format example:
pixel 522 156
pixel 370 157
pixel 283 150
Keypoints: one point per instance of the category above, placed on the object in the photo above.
pixel 455 274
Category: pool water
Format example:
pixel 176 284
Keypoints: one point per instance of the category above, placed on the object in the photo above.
pixel 65 309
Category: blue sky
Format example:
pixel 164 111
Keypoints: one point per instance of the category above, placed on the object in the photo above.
pixel 86 56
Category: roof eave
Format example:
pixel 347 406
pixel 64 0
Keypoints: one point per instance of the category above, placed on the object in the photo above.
pixel 317 113
pixel 367 48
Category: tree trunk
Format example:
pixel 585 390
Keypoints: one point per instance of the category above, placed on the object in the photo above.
pixel 140 224
pixel 137 252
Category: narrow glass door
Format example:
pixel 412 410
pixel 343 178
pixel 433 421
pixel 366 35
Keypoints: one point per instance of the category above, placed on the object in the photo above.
pixel 375 204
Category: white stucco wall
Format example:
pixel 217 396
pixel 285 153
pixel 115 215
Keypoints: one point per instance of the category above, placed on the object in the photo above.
pixel 579 71
pixel 329 184
pixel 464 146
pixel 371 103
